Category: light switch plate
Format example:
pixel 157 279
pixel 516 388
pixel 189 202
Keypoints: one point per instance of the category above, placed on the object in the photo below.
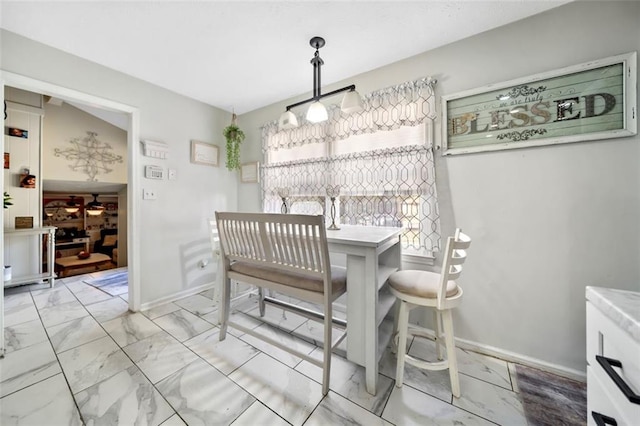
pixel 148 194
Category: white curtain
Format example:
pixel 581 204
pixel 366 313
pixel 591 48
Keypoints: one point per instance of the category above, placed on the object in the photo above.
pixel 381 157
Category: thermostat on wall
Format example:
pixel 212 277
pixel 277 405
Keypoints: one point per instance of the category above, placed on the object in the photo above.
pixel 153 172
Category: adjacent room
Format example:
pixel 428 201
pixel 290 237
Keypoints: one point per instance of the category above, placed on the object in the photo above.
pixel 314 213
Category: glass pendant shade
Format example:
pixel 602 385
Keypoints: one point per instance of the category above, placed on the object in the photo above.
pixel 95 207
pixel 352 102
pixel 72 206
pixel 317 112
pixel 288 120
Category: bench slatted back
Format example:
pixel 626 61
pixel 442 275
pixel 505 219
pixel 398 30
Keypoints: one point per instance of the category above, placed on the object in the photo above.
pixel 297 243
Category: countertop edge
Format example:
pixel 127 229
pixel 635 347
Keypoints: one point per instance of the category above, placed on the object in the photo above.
pixel 621 306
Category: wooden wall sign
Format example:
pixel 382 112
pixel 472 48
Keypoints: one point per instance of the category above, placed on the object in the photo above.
pixel 590 101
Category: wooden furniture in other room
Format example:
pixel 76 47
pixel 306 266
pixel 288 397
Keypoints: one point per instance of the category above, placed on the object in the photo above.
pixel 66 264
pixel 288 254
pixel 107 243
pixel 439 291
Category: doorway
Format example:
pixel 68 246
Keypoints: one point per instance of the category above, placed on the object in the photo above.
pixel 133 187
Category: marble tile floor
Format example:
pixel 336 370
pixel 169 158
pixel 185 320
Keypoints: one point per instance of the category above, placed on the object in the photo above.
pixel 74 357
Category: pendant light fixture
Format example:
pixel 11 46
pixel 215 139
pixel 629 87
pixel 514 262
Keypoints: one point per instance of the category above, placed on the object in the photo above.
pixel 317 112
pixel 72 206
pixel 95 207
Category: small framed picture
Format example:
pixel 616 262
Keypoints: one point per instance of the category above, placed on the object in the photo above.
pixel 24 222
pixel 204 153
pixel 19 133
pixel 6 160
pixel 27 180
pixel 249 172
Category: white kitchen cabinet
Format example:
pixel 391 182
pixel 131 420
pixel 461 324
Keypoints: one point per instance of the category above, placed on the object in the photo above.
pixel 613 357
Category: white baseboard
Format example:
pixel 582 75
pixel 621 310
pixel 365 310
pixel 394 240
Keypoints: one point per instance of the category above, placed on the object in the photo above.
pixel 515 358
pixel 528 361
pixel 175 296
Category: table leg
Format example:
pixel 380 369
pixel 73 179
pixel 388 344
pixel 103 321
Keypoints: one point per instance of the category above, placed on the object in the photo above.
pixel 362 330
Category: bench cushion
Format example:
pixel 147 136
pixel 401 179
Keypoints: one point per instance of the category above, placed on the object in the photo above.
pixel 420 283
pixel 292 279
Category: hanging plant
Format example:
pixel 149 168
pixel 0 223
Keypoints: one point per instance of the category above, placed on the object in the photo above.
pixel 7 200
pixel 234 136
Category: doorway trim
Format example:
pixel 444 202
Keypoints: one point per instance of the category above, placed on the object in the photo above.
pixel 133 179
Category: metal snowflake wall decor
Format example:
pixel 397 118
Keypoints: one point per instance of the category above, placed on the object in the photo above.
pixel 90 156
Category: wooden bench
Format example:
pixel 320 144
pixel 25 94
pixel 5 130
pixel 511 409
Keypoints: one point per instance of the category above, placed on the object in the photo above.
pixel 288 254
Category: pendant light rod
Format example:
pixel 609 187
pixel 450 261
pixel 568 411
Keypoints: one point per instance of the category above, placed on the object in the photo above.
pixel 317 112
pixel 317 62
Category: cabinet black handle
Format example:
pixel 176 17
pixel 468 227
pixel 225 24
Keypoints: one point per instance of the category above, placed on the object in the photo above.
pixel 602 420
pixel 608 364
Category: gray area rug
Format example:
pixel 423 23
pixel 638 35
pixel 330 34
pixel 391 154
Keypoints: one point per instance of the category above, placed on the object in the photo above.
pixel 114 284
pixel 549 399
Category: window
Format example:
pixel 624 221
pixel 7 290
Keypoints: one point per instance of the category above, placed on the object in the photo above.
pixel 381 158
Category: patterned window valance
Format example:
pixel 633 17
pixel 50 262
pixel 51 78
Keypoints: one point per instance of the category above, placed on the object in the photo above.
pixel 407 104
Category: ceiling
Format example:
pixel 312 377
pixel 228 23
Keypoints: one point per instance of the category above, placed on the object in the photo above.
pixel 242 56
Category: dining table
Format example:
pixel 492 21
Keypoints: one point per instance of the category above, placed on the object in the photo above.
pixel 373 253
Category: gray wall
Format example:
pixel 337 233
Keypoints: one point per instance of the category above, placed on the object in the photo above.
pixel 546 221
pixel 173 229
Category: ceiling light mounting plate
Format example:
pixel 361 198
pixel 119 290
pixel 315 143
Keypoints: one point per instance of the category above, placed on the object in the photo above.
pixel 317 42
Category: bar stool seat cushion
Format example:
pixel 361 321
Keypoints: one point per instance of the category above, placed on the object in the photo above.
pixel 420 283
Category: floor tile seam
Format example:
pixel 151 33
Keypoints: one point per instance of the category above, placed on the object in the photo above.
pixel 182 368
pixel 294 367
pixel 34 383
pixel 487 382
pixel 268 408
pixel 284 330
pixel 259 400
pixel 107 378
pixel 512 379
pixel 89 342
pixel 153 385
pixel 33 303
pixel 441 400
pixel 82 344
pixel 120 348
pixel 188 338
pixel 56 325
pixel 473 377
pixel 478 415
pixel 347 397
pixel 98 288
pixel 306 338
pixel 451 400
pixel 73 396
pixel 75 403
pixel 258 352
pixel 354 403
pixel 316 407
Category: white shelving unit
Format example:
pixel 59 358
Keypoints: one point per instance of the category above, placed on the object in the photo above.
pixel 50 275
